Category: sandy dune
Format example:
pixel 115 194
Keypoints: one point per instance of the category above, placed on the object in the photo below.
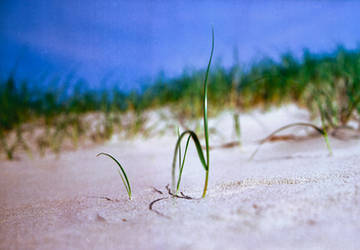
pixel 291 196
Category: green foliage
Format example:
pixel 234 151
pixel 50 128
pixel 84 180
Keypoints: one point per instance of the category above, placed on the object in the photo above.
pixel 192 135
pixel 122 174
pixel 326 84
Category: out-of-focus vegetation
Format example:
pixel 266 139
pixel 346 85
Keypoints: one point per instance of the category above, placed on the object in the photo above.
pixel 327 84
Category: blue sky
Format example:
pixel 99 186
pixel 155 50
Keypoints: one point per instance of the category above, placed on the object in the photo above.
pixel 130 42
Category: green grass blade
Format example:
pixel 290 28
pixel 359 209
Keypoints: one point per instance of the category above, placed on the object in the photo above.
pixel 124 182
pixel 178 134
pixel 193 135
pixel 206 132
pixel 198 149
pixel 237 127
pixel 325 134
pixel 326 137
pixel 182 165
pixel 123 176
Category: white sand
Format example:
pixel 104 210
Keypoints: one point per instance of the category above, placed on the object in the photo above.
pixel 292 196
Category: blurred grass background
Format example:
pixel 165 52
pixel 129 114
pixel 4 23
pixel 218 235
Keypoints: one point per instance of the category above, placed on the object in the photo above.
pixel 57 117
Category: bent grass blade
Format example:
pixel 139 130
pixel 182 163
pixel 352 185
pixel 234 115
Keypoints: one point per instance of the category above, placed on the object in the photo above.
pixel 122 174
pixel 322 131
pixel 192 134
pixel 196 141
pixel 181 166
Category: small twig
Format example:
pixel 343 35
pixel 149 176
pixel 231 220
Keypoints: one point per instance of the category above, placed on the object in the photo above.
pixel 155 211
pixel 178 196
pixel 104 197
pixel 186 196
pixel 231 144
pixel 183 196
pixel 157 190
pixel 268 138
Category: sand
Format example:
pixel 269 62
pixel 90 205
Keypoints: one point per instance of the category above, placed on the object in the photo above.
pixel 291 196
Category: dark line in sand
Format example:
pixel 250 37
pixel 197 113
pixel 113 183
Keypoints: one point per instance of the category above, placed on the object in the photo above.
pixel 157 190
pixel 155 211
pixel 103 197
pixel 182 196
pixel 178 196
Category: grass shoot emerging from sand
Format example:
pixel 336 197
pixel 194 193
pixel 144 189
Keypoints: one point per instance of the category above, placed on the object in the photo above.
pixel 122 174
pixel 192 134
pixel 322 131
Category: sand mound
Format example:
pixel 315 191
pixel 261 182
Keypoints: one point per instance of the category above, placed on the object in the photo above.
pixel 291 196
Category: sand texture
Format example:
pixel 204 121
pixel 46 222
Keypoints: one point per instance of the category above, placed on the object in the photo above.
pixel 291 196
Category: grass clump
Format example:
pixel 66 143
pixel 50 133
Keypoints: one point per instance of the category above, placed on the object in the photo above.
pixel 191 134
pixel 329 82
pixel 122 174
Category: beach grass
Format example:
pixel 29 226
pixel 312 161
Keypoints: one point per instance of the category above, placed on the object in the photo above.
pixel 191 134
pixel 121 172
pixel 325 82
